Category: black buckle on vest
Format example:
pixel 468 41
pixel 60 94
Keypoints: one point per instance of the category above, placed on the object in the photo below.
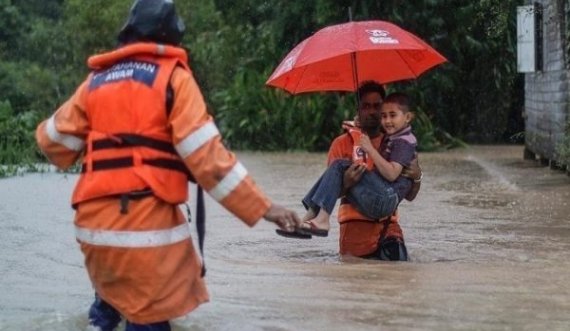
pixel 134 195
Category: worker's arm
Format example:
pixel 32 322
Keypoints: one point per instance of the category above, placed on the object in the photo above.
pixel 61 138
pixel 215 168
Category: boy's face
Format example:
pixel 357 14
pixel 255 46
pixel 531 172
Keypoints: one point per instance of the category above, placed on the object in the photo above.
pixel 393 118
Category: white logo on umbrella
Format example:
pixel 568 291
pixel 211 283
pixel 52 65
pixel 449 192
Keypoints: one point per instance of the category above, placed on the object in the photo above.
pixel 288 65
pixel 381 37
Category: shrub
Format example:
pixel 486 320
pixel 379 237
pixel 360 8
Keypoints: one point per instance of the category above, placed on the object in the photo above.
pixel 17 143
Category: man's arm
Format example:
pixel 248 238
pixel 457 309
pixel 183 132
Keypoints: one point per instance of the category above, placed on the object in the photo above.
pixel 413 172
pixel 341 148
pixel 352 176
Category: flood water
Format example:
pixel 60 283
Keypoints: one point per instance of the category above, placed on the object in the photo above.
pixel 488 237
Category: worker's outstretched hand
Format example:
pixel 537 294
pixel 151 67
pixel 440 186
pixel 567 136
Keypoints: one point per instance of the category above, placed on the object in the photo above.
pixel 285 219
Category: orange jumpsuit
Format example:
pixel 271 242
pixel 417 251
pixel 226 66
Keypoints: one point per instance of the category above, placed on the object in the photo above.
pixel 143 262
pixel 359 235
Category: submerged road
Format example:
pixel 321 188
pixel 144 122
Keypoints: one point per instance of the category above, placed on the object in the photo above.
pixel 488 236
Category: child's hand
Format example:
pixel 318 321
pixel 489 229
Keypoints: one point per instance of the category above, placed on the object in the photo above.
pixel 356 121
pixel 366 144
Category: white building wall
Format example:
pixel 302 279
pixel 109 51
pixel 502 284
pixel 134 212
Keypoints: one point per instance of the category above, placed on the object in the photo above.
pixel 546 91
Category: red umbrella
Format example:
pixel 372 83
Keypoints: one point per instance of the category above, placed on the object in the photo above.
pixel 340 57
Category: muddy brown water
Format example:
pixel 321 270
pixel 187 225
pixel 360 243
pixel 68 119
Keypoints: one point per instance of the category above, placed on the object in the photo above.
pixel 488 236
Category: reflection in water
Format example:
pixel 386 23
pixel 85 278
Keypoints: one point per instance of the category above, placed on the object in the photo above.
pixel 489 239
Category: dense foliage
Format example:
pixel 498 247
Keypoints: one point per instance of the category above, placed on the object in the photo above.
pixel 235 45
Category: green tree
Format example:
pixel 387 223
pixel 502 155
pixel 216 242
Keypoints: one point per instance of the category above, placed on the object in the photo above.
pixel 12 25
pixel 235 45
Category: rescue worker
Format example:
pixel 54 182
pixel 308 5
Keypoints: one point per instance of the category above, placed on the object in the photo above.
pixel 139 124
pixel 360 235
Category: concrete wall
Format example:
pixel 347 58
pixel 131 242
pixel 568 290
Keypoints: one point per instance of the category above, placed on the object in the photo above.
pixel 546 92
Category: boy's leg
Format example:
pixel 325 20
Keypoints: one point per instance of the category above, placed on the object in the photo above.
pixel 103 316
pixel 327 189
pixel 159 326
pixel 308 199
pixel 373 196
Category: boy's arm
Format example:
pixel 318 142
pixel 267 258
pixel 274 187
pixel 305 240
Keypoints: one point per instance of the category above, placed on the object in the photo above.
pixel 389 170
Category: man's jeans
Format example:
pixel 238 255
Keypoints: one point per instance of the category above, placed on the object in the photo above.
pixel 106 318
pixel 372 195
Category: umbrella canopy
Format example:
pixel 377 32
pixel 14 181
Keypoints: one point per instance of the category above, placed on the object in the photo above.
pixel 340 57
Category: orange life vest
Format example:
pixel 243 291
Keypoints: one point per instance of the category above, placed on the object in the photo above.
pixel 129 146
pixel 358 154
pixel 143 262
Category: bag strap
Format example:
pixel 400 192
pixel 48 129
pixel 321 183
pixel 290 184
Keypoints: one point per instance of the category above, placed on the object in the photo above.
pixel 201 224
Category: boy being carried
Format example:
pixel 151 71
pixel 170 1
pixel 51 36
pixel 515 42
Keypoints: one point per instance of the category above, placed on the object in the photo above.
pixel 381 189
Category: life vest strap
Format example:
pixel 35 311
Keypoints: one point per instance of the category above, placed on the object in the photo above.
pixel 124 198
pixel 126 140
pixel 201 225
pixel 125 162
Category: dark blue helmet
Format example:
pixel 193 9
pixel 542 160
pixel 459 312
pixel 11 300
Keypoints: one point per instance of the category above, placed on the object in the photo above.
pixel 153 20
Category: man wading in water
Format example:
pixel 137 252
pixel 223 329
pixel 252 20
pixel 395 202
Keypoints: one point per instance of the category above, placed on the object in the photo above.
pixel 360 235
pixel 140 124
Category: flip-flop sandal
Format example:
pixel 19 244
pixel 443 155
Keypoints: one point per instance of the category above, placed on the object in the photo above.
pixel 294 234
pixel 314 230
